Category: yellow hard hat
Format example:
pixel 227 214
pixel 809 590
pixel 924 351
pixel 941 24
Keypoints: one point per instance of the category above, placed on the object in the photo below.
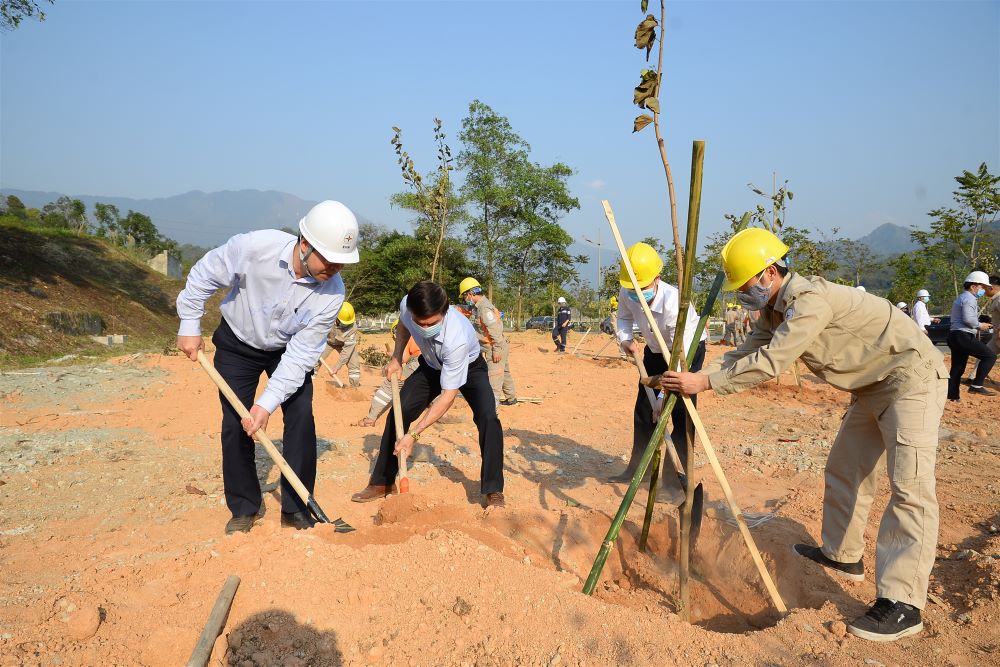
pixel 645 262
pixel 467 284
pixel 748 253
pixel 614 302
pixel 346 315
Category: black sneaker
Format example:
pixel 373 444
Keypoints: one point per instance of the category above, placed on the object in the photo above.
pixel 887 621
pixel 509 401
pixel 852 571
pixel 982 391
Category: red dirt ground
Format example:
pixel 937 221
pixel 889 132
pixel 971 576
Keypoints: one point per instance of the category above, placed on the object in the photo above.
pixel 111 545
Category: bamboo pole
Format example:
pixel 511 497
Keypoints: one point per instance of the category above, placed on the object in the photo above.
pixel 694 213
pixel 598 353
pixel 733 506
pixel 580 342
pixel 216 621
pixel 647 455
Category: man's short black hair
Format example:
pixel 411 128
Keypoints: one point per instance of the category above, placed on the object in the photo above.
pixel 426 299
pixel 782 266
pixel 994 280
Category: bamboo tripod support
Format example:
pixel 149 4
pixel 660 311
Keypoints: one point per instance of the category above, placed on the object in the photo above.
pixel 733 506
pixel 580 342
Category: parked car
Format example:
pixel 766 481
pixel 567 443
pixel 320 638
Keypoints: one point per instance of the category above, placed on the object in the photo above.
pixel 543 322
pixel 939 332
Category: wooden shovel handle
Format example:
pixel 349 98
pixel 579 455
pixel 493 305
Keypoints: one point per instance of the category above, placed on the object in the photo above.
pixel 397 413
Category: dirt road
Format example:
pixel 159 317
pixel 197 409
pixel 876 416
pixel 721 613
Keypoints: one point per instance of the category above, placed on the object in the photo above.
pixel 111 545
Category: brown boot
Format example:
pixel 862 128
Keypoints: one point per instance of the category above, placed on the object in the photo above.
pixel 373 492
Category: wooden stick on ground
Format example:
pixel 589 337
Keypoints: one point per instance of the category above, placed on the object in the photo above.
pixel 216 621
pixel 733 506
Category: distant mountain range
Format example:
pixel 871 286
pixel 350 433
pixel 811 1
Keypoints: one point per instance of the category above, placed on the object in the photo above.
pixel 200 218
pixel 208 218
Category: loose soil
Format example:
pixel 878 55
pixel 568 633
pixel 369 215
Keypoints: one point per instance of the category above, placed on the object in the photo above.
pixel 111 518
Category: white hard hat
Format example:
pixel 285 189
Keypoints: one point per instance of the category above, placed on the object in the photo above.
pixel 923 292
pixel 978 277
pixel 332 230
pixel 561 299
pixel 862 288
pixel 901 305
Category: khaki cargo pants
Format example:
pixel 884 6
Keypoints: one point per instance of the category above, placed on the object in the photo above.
pixel 501 380
pixel 904 431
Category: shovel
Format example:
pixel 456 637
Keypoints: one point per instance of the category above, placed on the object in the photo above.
pixel 332 374
pixel 698 504
pixel 397 413
pixel 339 525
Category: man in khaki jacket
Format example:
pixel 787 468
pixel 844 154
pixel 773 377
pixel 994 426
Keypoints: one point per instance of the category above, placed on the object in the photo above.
pixel 864 345
pixel 492 341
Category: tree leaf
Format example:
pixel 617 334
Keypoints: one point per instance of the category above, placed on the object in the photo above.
pixel 653 104
pixel 644 6
pixel 641 121
pixel 645 34
pixel 645 89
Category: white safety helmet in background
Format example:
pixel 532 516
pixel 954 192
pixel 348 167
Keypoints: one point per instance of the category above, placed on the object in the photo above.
pixel 561 299
pixel 332 230
pixel 923 292
pixel 978 277
pixel 862 288
pixel 901 305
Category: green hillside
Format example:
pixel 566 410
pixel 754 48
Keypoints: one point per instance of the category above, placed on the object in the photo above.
pixel 53 277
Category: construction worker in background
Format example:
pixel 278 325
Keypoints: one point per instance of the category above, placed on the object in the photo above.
pixel 383 395
pixel 919 311
pixel 610 323
pixel 284 296
pixel 664 302
pixel 450 362
pixel 731 319
pixel 560 326
pixel 343 338
pixel 861 344
pixel 963 339
pixel 741 325
pixel 903 307
pixel 492 341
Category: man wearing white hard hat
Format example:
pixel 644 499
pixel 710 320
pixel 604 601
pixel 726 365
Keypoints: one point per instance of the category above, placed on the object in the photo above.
pixel 919 311
pixel 284 296
pixel 903 307
pixel 963 339
pixel 560 327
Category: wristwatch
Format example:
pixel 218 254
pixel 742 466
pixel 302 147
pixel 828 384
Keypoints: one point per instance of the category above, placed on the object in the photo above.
pixel 415 436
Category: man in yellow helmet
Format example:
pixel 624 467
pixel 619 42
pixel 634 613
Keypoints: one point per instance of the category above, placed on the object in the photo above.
pixel 343 338
pixel 664 302
pixel 862 344
pixel 492 341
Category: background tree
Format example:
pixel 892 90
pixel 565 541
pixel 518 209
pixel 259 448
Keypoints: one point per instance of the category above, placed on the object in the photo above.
pixel 15 207
pixel 491 155
pixel 12 12
pixel 435 202
pixel 856 259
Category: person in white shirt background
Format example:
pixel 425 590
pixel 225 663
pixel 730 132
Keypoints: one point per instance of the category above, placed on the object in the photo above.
pixel 919 310
pixel 284 295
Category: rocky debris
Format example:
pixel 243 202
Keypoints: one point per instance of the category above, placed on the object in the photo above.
pixel 75 324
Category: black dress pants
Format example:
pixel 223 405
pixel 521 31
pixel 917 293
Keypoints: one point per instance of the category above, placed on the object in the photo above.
pixel 422 387
pixel 642 416
pixel 559 338
pixel 241 365
pixel 964 345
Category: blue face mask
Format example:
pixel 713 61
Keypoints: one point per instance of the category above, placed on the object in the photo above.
pixel 431 331
pixel 647 294
pixel 755 298
pixel 980 294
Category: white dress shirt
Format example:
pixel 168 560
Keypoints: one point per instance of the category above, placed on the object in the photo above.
pixel 665 307
pixel 451 350
pixel 267 307
pixel 919 314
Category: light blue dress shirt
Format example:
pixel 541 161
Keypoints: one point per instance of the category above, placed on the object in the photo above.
pixel 965 313
pixel 451 350
pixel 267 306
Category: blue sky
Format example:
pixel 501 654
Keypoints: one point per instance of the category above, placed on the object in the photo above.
pixel 868 108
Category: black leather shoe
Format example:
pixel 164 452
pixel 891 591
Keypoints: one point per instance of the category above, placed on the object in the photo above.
pixel 982 391
pixel 509 401
pixel 240 524
pixel 297 520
